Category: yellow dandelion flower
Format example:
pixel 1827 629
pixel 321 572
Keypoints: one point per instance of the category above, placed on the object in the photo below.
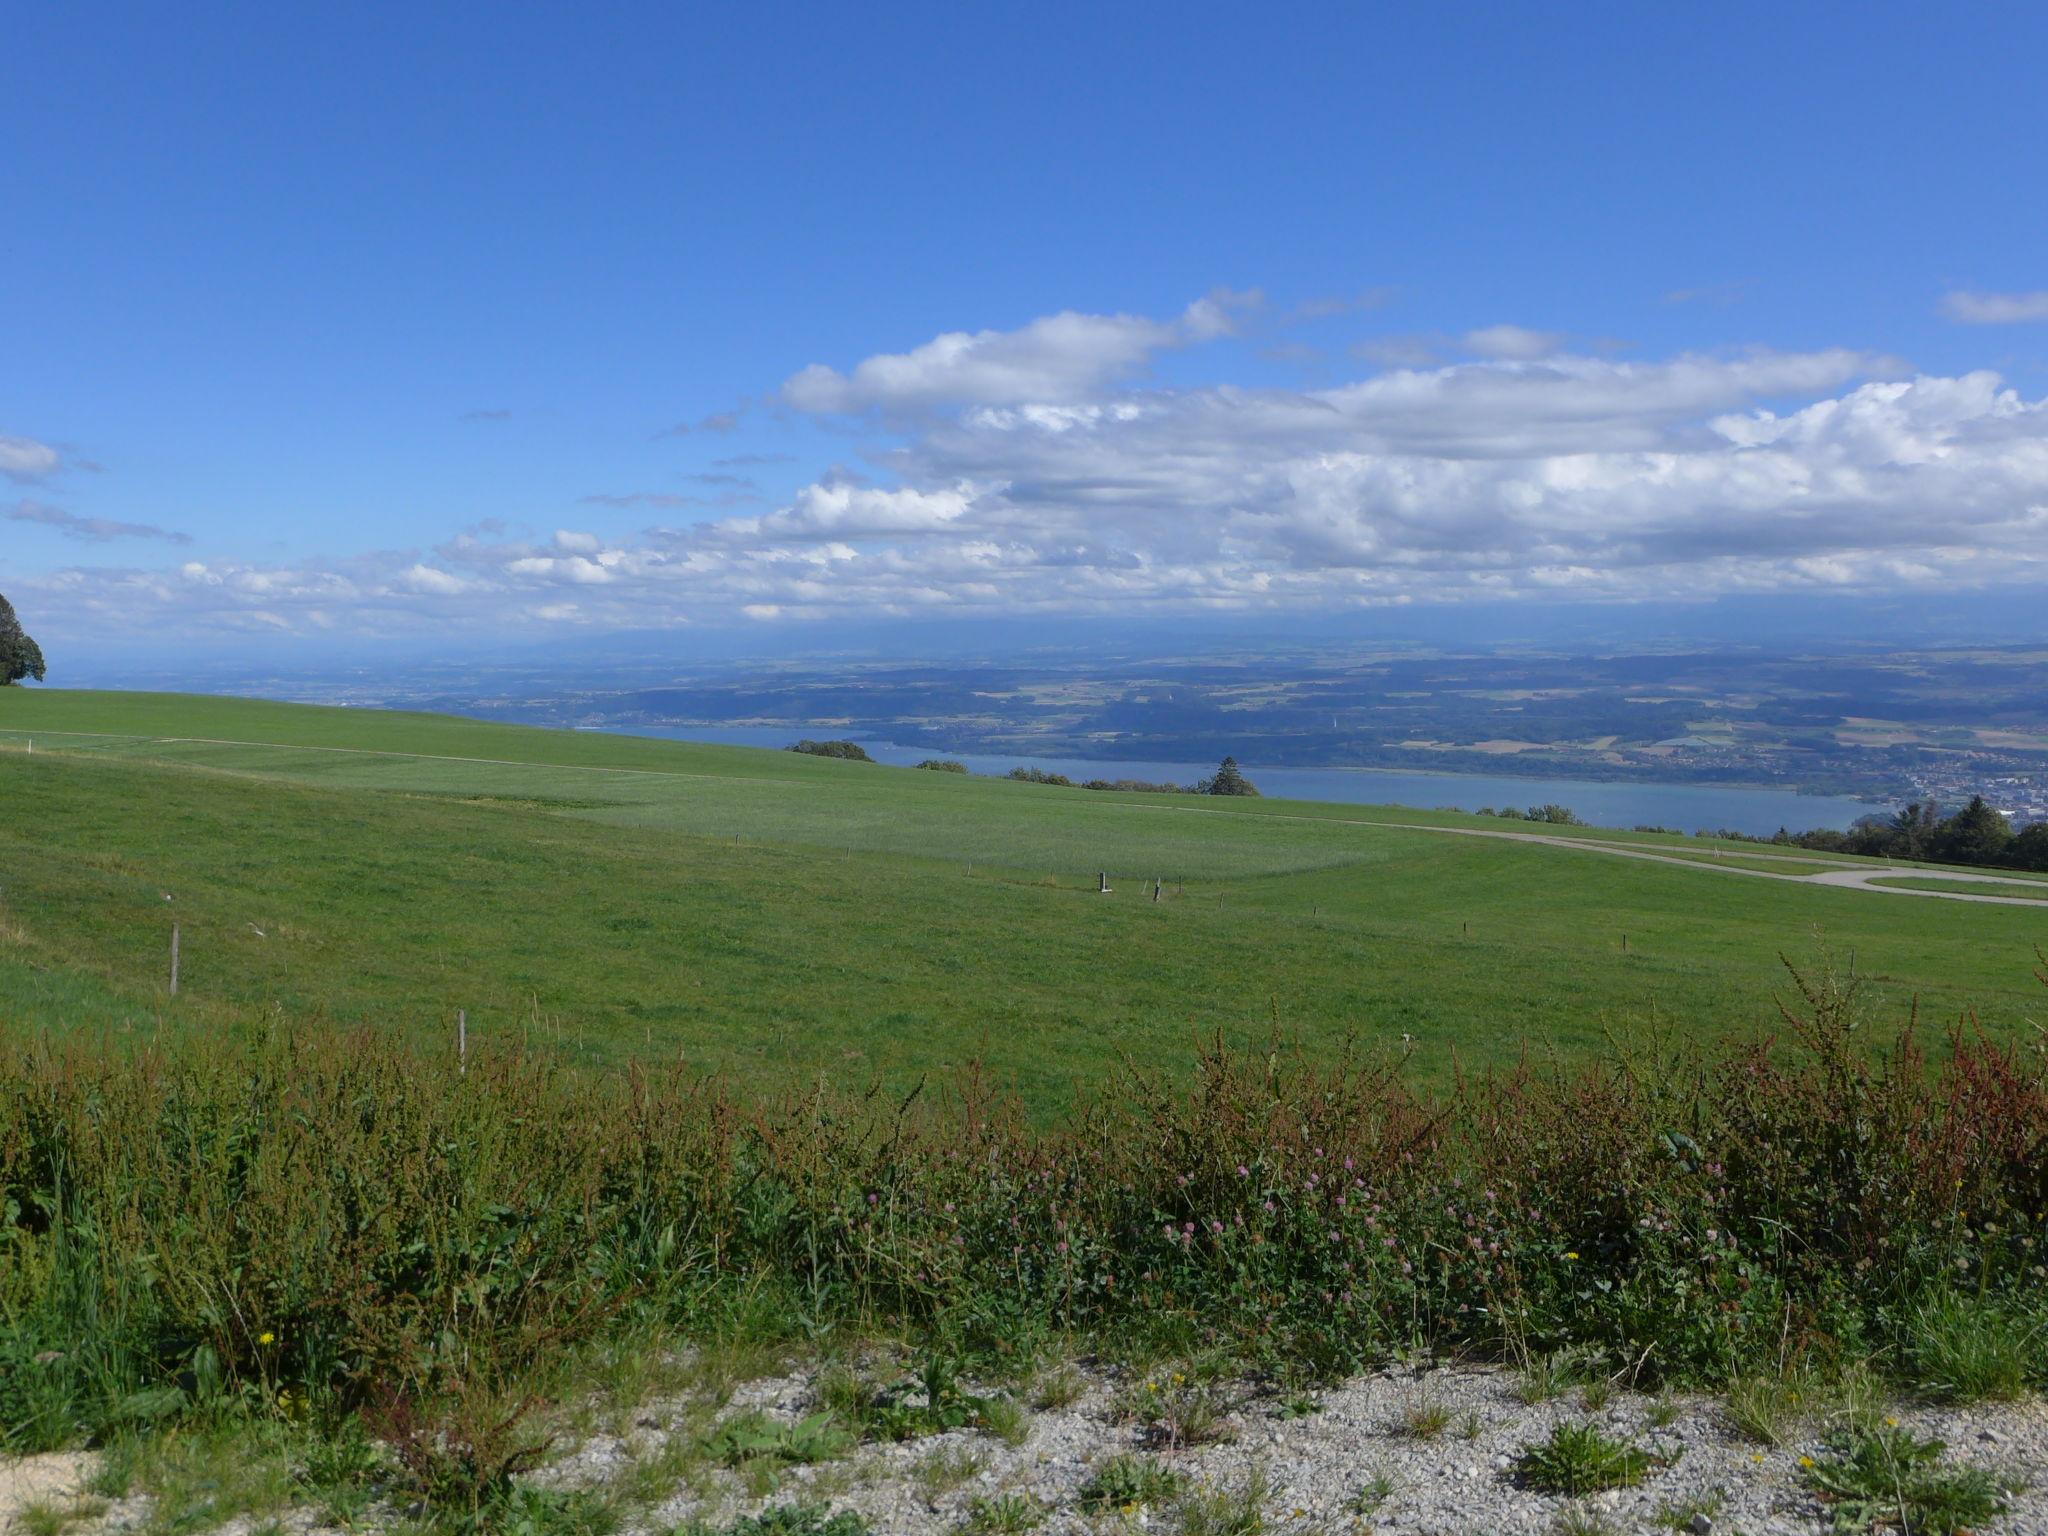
pixel 1806 1461
pixel 266 1337
pixel 1891 1423
pixel 1571 1255
pixel 1756 1456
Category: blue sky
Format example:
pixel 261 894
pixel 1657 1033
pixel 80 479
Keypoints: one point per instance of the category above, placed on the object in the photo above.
pixel 391 320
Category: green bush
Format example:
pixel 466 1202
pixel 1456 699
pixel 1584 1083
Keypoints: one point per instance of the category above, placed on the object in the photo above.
pixel 851 751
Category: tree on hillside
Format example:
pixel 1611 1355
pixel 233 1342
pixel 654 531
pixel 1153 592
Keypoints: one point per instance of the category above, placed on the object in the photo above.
pixel 2030 849
pixel 20 656
pixel 850 751
pixel 1974 835
pixel 1229 780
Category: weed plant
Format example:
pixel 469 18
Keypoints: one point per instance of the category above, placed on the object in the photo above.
pixel 1579 1459
pixel 1889 1477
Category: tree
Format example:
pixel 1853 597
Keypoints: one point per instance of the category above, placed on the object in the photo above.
pixel 2030 849
pixel 851 751
pixel 1974 835
pixel 19 655
pixel 1228 781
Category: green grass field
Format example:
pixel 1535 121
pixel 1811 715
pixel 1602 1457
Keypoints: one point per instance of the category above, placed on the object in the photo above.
pixel 762 912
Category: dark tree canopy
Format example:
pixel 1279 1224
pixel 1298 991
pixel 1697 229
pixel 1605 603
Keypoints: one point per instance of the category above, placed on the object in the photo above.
pixel 20 656
pixel 1229 780
pixel 851 751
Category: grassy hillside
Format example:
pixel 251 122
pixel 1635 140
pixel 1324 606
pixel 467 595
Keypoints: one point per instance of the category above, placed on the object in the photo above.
pixel 760 910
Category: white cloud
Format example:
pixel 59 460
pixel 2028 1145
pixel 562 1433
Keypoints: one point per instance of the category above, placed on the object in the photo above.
pixel 1512 341
pixel 23 458
pixel 1995 308
pixel 1029 480
pixel 424 578
pixel 1058 358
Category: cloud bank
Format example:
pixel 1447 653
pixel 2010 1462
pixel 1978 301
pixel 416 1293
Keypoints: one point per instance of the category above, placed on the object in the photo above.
pixel 1042 471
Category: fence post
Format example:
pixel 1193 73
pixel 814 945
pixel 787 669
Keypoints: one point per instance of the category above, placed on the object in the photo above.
pixel 462 1041
pixel 174 959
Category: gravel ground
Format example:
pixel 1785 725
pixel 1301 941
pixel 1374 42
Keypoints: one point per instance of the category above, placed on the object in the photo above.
pixel 1315 1465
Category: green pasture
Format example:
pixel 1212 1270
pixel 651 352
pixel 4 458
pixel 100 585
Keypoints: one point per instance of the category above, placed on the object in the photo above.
pixel 761 912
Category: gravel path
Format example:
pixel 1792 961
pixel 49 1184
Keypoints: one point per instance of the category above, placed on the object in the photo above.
pixel 1318 1467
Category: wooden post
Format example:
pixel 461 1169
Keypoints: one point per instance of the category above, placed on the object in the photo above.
pixel 1465 928
pixel 1157 885
pixel 1624 943
pixel 174 959
pixel 1103 888
pixel 462 1040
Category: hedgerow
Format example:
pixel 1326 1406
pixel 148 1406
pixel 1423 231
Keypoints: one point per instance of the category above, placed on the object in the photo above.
pixel 328 1214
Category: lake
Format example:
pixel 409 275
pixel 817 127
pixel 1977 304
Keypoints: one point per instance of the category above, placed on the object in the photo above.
pixel 1755 809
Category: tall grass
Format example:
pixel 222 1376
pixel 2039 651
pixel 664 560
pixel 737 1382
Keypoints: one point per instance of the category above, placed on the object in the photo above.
pixel 326 1216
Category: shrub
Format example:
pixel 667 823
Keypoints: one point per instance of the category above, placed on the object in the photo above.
pixel 851 751
pixel 943 765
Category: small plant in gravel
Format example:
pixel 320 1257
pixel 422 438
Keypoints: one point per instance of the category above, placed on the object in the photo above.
pixel 1680 1514
pixel 1128 1484
pixel 946 1469
pixel 1376 1491
pixel 528 1511
pixel 1423 1417
pixel 928 1403
pixel 679 1460
pixel 1178 1409
pixel 1583 1520
pixel 784 1520
pixel 1767 1409
pixel 1297 1405
pixel 754 1436
pixel 1470 1427
pixel 1006 1418
pixel 1061 1387
pixel 1890 1477
pixel 41 1519
pixel 1578 1459
pixel 1543 1377
pixel 1596 1394
pixel 1225 1511
pixel 1663 1413
pixel 1004 1514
